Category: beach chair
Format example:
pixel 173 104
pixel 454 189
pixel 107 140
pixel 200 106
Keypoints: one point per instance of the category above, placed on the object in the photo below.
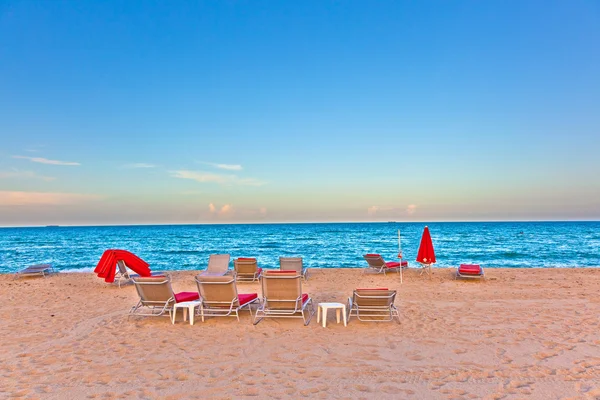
pixel 35 270
pixel 282 297
pixel 471 271
pixel 246 269
pixel 157 296
pixel 218 265
pixel 373 305
pixel 293 264
pixel 220 297
pixel 123 276
pixel 378 264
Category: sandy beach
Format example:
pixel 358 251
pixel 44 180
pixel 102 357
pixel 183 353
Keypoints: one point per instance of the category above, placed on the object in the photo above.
pixel 527 333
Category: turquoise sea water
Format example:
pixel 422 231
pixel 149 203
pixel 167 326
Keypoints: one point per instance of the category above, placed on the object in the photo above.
pixel 326 245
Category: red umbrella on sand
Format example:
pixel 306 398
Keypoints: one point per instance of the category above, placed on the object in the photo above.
pixel 426 254
pixel 107 265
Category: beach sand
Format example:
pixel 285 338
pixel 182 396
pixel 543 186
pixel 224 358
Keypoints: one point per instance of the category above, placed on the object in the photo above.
pixel 523 333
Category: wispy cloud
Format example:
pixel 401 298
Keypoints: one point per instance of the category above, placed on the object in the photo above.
pixel 411 208
pixel 221 179
pixel 24 175
pixel 228 211
pixel 8 198
pixel 34 148
pixel 140 165
pixel 42 160
pixel 224 211
pixel 228 167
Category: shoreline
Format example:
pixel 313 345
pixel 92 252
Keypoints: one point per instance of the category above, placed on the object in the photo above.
pixel 527 333
pixel 90 270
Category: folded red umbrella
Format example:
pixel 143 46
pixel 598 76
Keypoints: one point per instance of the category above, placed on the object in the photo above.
pixel 426 255
pixel 107 265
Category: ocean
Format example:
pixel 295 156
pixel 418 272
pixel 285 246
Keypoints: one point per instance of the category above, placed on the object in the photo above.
pixel 322 245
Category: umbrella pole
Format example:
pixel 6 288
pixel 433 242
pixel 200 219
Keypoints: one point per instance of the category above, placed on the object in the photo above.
pixel 400 255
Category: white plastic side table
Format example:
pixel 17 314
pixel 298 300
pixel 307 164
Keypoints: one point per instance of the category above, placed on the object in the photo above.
pixel 186 306
pixel 338 307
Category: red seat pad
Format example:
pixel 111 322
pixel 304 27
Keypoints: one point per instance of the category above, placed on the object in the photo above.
pixel 245 298
pixel 186 296
pixel 469 269
pixel 246 259
pixel 258 270
pixel 304 298
pixel 392 264
pixel 372 255
pixel 404 263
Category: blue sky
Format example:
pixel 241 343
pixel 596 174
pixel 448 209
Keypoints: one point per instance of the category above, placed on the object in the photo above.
pixel 124 112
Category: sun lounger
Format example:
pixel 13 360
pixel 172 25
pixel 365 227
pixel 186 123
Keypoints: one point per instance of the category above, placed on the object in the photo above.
pixel 373 305
pixel 469 271
pixel 282 297
pixel 293 264
pixel 246 269
pixel 378 264
pixel 33 270
pixel 220 297
pixel 218 265
pixel 157 296
pixel 123 276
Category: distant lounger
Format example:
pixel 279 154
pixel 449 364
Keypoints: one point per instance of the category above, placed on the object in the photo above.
pixel 378 264
pixel 293 264
pixel 218 265
pixel 33 270
pixel 469 271
pixel 246 269
pixel 122 276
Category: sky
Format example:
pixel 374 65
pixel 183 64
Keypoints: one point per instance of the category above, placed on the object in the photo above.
pixel 162 112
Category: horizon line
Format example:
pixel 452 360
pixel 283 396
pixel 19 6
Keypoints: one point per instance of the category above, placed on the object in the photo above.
pixel 290 223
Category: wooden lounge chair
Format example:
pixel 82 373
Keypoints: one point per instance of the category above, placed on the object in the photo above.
pixel 157 296
pixel 34 270
pixel 282 297
pixel 469 271
pixel 218 265
pixel 220 297
pixel 293 264
pixel 246 269
pixel 378 264
pixel 373 305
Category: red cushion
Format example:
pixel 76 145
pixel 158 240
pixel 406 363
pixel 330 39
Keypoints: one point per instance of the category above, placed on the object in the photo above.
pixel 246 259
pixel 372 255
pixel 304 298
pixel 469 269
pixel 258 270
pixel 186 296
pixel 377 288
pixel 245 298
pixel 392 264
pixel 405 263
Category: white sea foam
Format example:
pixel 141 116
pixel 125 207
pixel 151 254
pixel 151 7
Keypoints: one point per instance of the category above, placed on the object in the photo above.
pixel 85 269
